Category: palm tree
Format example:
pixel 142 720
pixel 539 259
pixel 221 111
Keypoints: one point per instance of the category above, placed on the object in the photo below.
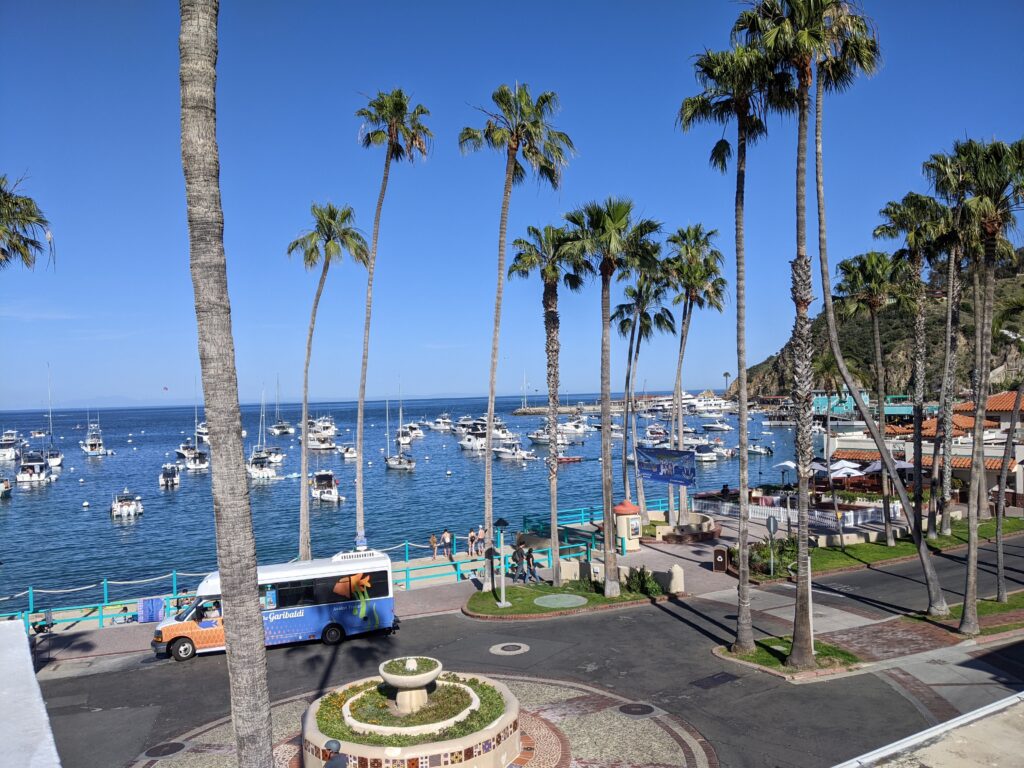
pixel 741 85
pixel 795 34
pixel 21 226
pixel 694 273
pixel 387 121
pixel 236 545
pixel 867 284
pixel 638 317
pixel 1013 309
pixel 994 174
pixel 520 125
pixel 917 219
pixel 333 233
pixel 607 235
pixel 543 251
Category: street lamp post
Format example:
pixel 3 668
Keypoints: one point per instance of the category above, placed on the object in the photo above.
pixel 501 524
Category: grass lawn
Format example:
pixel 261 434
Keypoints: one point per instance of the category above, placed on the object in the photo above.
pixel 771 652
pixel 522 599
pixel 829 558
pixel 1014 602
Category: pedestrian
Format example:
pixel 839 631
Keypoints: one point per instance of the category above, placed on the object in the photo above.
pixel 519 563
pixel 446 543
pixel 471 542
pixel 433 544
pixel 481 540
pixel 531 567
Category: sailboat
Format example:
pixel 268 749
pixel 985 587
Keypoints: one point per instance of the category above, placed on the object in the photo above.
pixel 54 456
pixel 194 458
pixel 399 461
pixel 259 465
pixel 280 426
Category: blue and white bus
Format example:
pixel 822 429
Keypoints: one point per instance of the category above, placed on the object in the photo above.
pixel 327 599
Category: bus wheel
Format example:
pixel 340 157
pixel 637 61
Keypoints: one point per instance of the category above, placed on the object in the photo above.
pixel 183 649
pixel 333 634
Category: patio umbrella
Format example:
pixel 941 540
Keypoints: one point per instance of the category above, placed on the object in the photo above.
pixel 786 465
pixel 876 466
pixel 847 472
pixel 818 467
pixel 844 464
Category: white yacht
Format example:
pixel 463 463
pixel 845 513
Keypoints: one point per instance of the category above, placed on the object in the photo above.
pixel 414 430
pixel 125 505
pixel 280 426
pixel 319 441
pixel 401 460
pixel 170 476
pixel 760 450
pixel 462 426
pixel 442 423
pixel 93 443
pixel 348 451
pixel 203 433
pixel 403 436
pixel 260 467
pixel 186 449
pixel 10 445
pixel 34 469
pixel 541 437
pixel 198 461
pixel 323 425
pixel 705 452
pixel 274 454
pixel 718 426
pixel 473 441
pixel 512 452
pixel 323 486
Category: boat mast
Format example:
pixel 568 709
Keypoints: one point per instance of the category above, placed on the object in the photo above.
pixel 49 400
pixel 387 428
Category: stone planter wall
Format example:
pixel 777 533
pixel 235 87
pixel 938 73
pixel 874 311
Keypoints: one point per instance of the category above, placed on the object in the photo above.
pixel 495 746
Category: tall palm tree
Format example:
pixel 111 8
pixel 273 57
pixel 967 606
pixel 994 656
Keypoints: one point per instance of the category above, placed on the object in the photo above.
pixel 22 225
pixel 333 233
pixel 795 34
pixel 616 244
pixel 694 272
pixel 388 122
pixel 1013 309
pixel 543 251
pixel 867 284
pixel 740 84
pixel 917 219
pixel 236 545
pixel 523 125
pixel 638 318
pixel 995 182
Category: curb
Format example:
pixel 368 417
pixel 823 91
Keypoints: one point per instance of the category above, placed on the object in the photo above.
pixel 792 677
pixel 570 611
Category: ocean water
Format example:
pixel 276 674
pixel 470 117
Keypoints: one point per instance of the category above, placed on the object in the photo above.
pixel 49 540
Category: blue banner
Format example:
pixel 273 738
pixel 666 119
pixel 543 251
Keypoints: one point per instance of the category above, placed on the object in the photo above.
pixel 666 466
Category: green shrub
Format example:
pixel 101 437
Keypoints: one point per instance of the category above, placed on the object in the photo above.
pixel 585 585
pixel 642 581
pixel 397 666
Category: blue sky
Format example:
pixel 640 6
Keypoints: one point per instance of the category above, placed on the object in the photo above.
pixel 92 122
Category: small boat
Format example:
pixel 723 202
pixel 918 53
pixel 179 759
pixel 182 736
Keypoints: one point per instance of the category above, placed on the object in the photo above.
pixel 280 426
pixel 656 431
pixel 198 461
pixel 400 461
pixel 463 426
pixel 170 476
pixel 442 423
pixel 718 426
pixel 259 466
pixel 512 452
pixel 541 437
pixel 473 441
pixel 414 430
pixel 709 414
pixel 5 488
pixel 323 486
pixel 705 453
pixel 724 453
pixel 10 445
pixel 34 469
pixel 348 451
pixel 760 450
pixel 403 436
pixel 570 459
pixel 126 506
pixel 274 454
pixel 38 433
pixel 93 443
pixel 320 441
pixel 203 433
pixel 576 426
pixel 186 449
pixel 323 425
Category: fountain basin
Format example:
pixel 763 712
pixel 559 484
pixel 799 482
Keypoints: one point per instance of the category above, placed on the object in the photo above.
pixel 413 730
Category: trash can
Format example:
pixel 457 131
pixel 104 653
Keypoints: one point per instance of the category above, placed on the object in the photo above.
pixel 720 559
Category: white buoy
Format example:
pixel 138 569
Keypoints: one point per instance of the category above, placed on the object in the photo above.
pixel 72 469
pixel 138 498
pixel 129 439
pixel 369 463
pixel 142 432
pixel 135 448
pixel 85 503
pixel 131 434
pixel 81 479
pixel 449 473
pixel 426 458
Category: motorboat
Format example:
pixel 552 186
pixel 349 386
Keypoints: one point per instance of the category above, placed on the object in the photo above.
pixel 10 445
pixel 274 454
pixel 473 441
pixel 203 433
pixel 37 433
pixel 690 441
pixel 186 449
pixel 724 453
pixel 718 426
pixel 54 457
pixel 34 469
pixel 542 437
pixel 280 426
pixel 462 426
pixel 512 452
pixel 322 425
pixel 323 486
pixel 442 423
pixel 414 430
pixel 704 452
pixel 403 436
pixel 401 460
pixel 260 467
pixel 198 461
pixel 170 476
pixel 348 451
pixel 320 442
pixel 709 414
pixel 5 488
pixel 656 431
pixel 126 506
pixel 760 450
pixel 576 426
pixel 93 443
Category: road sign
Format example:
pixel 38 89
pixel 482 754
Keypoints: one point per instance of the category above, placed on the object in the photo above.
pixel 773 524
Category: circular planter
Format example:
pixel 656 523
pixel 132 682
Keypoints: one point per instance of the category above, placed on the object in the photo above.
pixel 404 682
pixel 412 730
pixel 494 746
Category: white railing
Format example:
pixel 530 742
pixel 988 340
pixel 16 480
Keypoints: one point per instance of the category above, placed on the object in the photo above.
pixel 850 517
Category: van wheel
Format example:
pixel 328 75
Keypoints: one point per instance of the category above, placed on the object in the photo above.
pixel 183 649
pixel 333 634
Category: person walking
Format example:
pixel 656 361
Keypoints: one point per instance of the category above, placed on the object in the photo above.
pixel 446 543
pixel 481 540
pixel 433 544
pixel 519 564
pixel 531 567
pixel 471 542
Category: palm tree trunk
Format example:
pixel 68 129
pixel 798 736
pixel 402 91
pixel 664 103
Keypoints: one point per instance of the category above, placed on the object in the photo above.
pixel 675 433
pixel 236 544
pixel 611 569
pixel 510 164
pixel 919 353
pixel 1004 470
pixel 802 653
pixel 361 404
pixel 684 508
pixel 936 600
pixel 551 347
pixel 626 398
pixel 744 623
pixel 641 498
pixel 946 394
pixel 305 545
pixel 890 539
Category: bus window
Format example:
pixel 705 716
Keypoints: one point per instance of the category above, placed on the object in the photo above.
pixel 268 597
pixel 337 589
pixel 295 593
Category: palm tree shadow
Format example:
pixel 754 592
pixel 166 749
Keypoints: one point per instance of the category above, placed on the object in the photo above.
pixel 718 639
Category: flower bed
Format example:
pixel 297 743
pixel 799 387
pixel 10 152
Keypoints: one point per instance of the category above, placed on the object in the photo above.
pixel 423 664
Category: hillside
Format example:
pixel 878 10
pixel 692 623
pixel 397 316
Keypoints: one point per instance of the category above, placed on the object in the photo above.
pixel 772 376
